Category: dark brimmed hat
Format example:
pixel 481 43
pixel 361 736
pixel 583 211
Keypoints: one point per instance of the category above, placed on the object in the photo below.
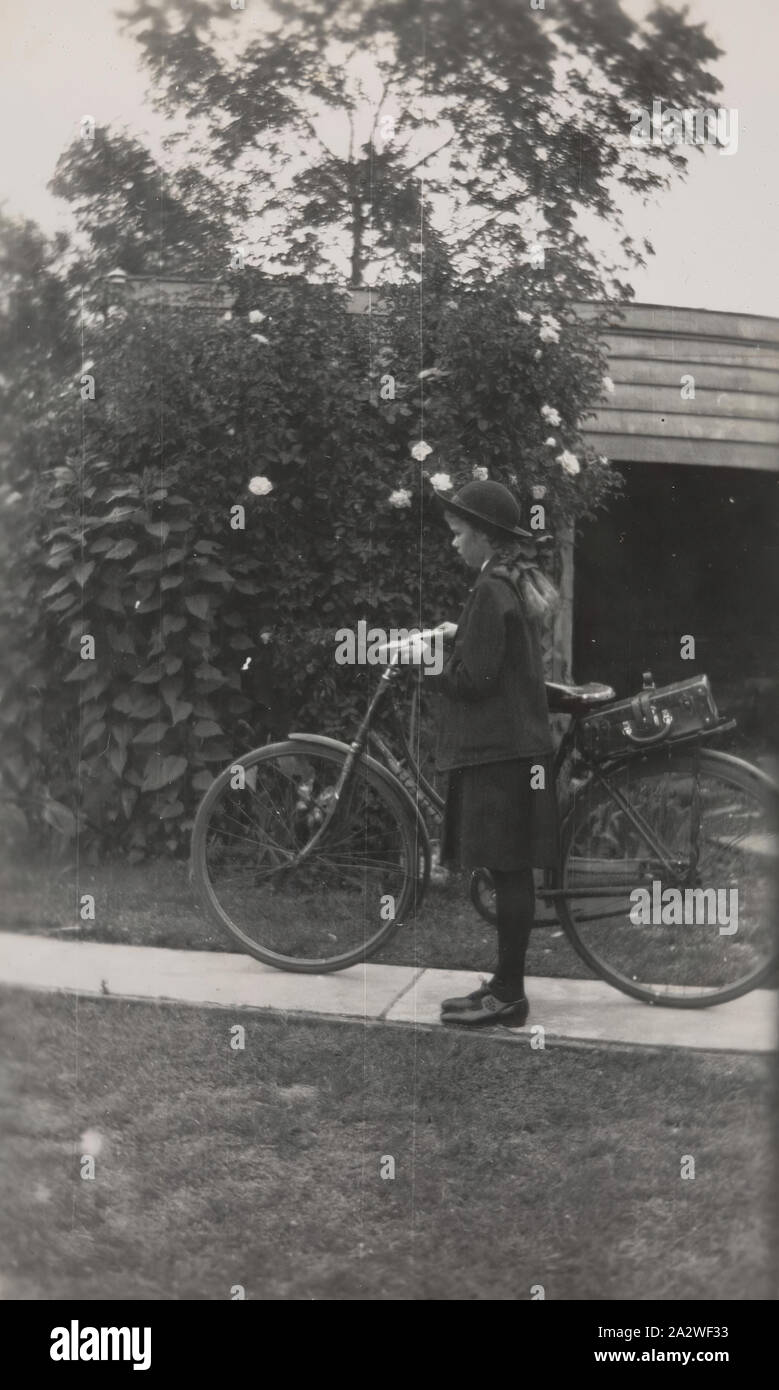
pixel 488 506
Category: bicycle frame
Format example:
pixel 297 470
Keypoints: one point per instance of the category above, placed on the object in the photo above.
pixel 407 773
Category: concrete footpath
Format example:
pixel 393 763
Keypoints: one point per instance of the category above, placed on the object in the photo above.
pixel 585 1011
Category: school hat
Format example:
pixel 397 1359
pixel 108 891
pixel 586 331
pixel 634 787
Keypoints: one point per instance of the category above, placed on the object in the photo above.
pixel 487 505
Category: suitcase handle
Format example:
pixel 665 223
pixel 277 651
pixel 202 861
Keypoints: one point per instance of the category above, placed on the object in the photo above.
pixel 645 739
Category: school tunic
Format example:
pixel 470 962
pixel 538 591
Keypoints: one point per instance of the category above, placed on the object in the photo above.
pixel 494 735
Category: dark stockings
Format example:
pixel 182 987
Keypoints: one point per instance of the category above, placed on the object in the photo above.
pixel 515 900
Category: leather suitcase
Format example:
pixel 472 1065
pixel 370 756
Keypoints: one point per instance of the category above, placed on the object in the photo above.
pixel 658 714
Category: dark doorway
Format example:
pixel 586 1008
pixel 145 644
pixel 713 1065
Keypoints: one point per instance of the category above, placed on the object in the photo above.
pixel 684 551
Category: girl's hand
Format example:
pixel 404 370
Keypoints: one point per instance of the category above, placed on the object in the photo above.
pixel 448 631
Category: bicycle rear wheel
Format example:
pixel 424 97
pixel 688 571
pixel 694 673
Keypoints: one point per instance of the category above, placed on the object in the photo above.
pixel 701 930
pixel 338 906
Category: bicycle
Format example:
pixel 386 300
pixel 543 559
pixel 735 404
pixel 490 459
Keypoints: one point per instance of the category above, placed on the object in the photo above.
pixel 313 853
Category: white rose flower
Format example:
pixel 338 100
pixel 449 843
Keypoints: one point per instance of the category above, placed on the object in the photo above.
pixel 551 442
pixel 260 486
pixel 479 473
pixel 608 385
pixel 441 482
pixel 551 415
pixel 401 497
pixel 569 462
pixel 523 317
pixel 257 316
pixel 227 316
pixel 259 338
pixel 538 492
pixel 537 354
pixel 421 450
pixel 548 335
pixel 602 459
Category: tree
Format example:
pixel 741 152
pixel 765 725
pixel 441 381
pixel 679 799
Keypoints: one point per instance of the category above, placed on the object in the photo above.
pixel 344 136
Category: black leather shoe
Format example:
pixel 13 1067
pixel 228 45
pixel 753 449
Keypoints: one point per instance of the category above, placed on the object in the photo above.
pixel 466 1001
pixel 488 1009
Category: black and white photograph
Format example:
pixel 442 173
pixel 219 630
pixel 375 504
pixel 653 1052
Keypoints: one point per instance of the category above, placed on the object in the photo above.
pixel 389 716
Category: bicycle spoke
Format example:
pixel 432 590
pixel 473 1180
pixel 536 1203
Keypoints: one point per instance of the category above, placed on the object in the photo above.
pixel 292 875
pixel 704 926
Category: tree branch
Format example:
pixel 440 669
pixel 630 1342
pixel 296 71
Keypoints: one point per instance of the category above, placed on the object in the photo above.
pixel 425 157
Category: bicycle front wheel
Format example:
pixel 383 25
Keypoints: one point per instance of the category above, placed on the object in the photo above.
pixel 326 911
pixel 669 874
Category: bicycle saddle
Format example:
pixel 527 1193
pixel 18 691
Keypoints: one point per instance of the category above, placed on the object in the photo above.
pixel 576 699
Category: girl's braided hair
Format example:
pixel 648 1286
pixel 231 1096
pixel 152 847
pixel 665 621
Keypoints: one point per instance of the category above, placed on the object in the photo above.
pixel 520 561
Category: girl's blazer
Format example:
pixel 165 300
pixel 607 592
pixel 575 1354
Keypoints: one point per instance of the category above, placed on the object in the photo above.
pixel 492 687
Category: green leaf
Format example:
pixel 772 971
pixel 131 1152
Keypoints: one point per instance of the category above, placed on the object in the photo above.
pixel 171 581
pixel 82 672
pixel 160 772
pixel 172 623
pixel 59 556
pixel 60 818
pixel 181 709
pixel 137 704
pixel 95 686
pixel 122 549
pixel 81 573
pixel 197 605
pixel 214 574
pixel 129 491
pixel 153 733
pixel 216 752
pixel 117 757
pixel 171 689
pixel 150 565
pixel 202 781
pixel 94 734
pixel 160 529
pixel 206 728
pixel 150 676
pixel 61 605
pixel 58 587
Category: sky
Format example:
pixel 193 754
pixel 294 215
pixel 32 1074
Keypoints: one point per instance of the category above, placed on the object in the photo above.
pixel 714 234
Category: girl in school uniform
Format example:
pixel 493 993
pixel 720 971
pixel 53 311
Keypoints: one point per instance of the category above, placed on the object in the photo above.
pixel 495 738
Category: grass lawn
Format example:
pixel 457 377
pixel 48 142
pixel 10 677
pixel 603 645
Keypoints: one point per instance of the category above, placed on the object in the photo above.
pixel 260 1167
pixel 151 905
